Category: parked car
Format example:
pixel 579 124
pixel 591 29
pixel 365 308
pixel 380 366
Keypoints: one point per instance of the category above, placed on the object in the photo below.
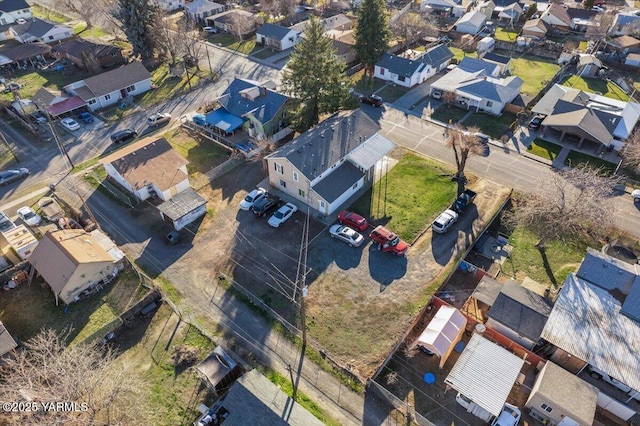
pixel 535 123
pixel 443 222
pixel 5 223
pixel 50 209
pixel 346 234
pixel 463 401
pixel 124 135
pixel 354 220
pixel 463 201
pixel 11 86
pixel 86 117
pixel 12 175
pixel 425 350
pixel 29 216
pixel 252 198
pixel 39 117
pixel 158 119
pixel 200 119
pixel 436 94
pixel 482 137
pixel 70 124
pixel 282 215
pixel 210 30
pixel 636 195
pixel 266 205
pixel 388 241
pixel 374 100
pixel 509 416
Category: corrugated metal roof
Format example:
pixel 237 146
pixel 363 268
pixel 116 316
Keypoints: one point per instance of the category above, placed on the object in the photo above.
pixel 370 152
pixel 485 373
pixel 586 322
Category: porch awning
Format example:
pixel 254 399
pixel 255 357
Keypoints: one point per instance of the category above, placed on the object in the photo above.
pixel 224 120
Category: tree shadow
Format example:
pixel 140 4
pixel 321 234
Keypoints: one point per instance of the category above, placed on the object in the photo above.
pixel 547 266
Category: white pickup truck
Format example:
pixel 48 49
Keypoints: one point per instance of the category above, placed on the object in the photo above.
pixel 50 209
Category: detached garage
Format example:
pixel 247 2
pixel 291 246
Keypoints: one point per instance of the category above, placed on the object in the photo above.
pixel 182 209
pixel 443 332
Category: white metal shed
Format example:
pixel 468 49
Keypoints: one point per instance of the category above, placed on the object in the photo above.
pixel 443 332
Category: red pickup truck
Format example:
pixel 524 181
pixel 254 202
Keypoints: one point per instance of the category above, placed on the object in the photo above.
pixel 388 241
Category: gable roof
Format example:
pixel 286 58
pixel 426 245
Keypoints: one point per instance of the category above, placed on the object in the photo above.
pixel 228 16
pixel 567 391
pixel 623 42
pixel 474 17
pixel 77 46
pixel 199 6
pixel 522 310
pixel 586 59
pixel 181 204
pixel 148 161
pixel 404 67
pixel 581 14
pixel 273 31
pixel 437 55
pixel 13 5
pixel 559 12
pixel 320 147
pixel 583 120
pixel 117 79
pixel 496 89
pixel 473 65
pixel 25 51
pixel 494 57
pixel 537 23
pixel 587 323
pixel 247 96
pixel 338 181
pixel 34 27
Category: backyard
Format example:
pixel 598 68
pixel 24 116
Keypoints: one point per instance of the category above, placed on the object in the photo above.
pixel 535 73
pixel 506 34
pixel 596 85
pixel 459 54
pixel 203 155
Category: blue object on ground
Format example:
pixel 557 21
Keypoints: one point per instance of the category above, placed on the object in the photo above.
pixel 464 266
pixel 429 378
pixel 459 347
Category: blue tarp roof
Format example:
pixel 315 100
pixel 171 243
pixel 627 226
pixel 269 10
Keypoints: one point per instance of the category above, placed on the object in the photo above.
pixel 224 120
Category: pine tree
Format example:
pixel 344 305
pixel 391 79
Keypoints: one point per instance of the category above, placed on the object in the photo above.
pixel 137 18
pixel 372 33
pixel 315 76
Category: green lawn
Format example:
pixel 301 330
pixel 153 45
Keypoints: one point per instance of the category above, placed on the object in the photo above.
pixel 583 46
pixel 202 154
pixel 263 53
pixel 544 149
pixel 534 72
pixel 490 125
pixel 458 53
pixel 28 308
pixel 505 34
pixel 446 114
pixel 416 191
pixel 596 85
pixel 392 94
pixel 574 158
pixel 32 81
pixel 526 260
pixel 80 29
pixel 366 85
pixel 48 14
pixel 166 85
pixel 231 42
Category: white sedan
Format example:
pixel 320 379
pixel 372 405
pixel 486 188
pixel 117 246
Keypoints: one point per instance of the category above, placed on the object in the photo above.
pixel 636 195
pixel 509 416
pixel 252 198
pixel 346 234
pixel 70 124
pixel 29 216
pixel 282 215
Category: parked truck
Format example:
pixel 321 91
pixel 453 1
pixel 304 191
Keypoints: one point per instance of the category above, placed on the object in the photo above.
pixel 463 201
pixel 50 209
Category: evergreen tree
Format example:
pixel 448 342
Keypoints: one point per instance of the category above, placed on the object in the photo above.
pixel 372 33
pixel 588 4
pixel 315 76
pixel 137 18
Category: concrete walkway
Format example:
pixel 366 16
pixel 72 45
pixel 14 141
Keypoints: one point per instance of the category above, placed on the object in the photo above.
pixel 558 162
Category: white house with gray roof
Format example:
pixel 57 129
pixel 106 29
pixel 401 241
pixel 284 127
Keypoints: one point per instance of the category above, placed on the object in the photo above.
pixel 37 30
pixel 471 22
pixel 277 37
pixel 331 162
pixel 110 87
pixel 415 68
pixel 10 10
pixel 200 10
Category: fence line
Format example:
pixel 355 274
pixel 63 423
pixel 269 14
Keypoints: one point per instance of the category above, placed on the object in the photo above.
pixel 409 412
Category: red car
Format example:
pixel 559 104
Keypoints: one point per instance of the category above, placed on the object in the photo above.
pixel 388 241
pixel 354 220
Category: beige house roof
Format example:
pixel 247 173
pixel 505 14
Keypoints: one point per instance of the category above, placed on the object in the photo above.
pixel 149 161
pixel 623 42
pixel 59 253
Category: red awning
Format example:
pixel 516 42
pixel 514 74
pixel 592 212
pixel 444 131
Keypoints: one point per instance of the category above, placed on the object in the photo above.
pixel 67 105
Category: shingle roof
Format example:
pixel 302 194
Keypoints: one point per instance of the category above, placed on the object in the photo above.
pixel 181 204
pixel 474 17
pixel 607 272
pixel 623 42
pixel 521 310
pixel 148 161
pixel 537 24
pixel 13 5
pixel 473 65
pixel 245 96
pixel 117 79
pixel 320 147
pixel 487 290
pixel 559 12
pixel 494 57
pixel 582 14
pixel 404 67
pixel 34 27
pixel 338 181
pixel 25 51
pixel 437 55
pixel 77 46
pixel 567 391
pixel 598 125
pixel 586 322
pixel 199 6
pixel 273 31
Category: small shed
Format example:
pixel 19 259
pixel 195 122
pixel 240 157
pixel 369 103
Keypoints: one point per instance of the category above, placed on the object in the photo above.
pixel 485 374
pixel 443 332
pixel 632 59
pixel 183 209
pixel 218 371
pixel 21 240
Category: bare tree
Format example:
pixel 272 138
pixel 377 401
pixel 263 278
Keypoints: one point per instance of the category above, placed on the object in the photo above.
pixel 168 37
pixel 87 376
pixel 240 24
pixel 599 27
pixel 410 28
pixel 106 11
pixel 449 98
pixel 631 152
pixel 464 144
pixel 85 9
pixel 572 202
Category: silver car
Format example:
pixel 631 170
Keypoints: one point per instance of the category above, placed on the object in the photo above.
pixel 446 219
pixel 346 234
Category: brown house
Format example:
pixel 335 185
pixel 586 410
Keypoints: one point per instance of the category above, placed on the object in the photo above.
pixel 71 261
pixel 88 55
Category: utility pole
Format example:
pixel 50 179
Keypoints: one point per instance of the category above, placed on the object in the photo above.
pixel 301 285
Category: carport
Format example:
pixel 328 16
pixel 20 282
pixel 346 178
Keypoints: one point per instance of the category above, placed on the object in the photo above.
pixel 485 374
pixel 443 332
pixel 224 120
pixel 65 106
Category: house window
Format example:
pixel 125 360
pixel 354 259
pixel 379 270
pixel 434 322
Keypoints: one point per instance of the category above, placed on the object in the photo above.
pixel 401 78
pixel 107 97
pixel 301 193
pixel 381 71
pixel 355 185
pixel 546 408
pixel 91 101
pixel 50 37
pixel 283 183
pixel 295 176
pixel 322 205
pixel 489 104
pixel 278 168
pixel 131 88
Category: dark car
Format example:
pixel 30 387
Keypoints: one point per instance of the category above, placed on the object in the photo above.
pixel 265 206
pixel 85 117
pixel 535 123
pixel 13 175
pixel 124 135
pixel 374 100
